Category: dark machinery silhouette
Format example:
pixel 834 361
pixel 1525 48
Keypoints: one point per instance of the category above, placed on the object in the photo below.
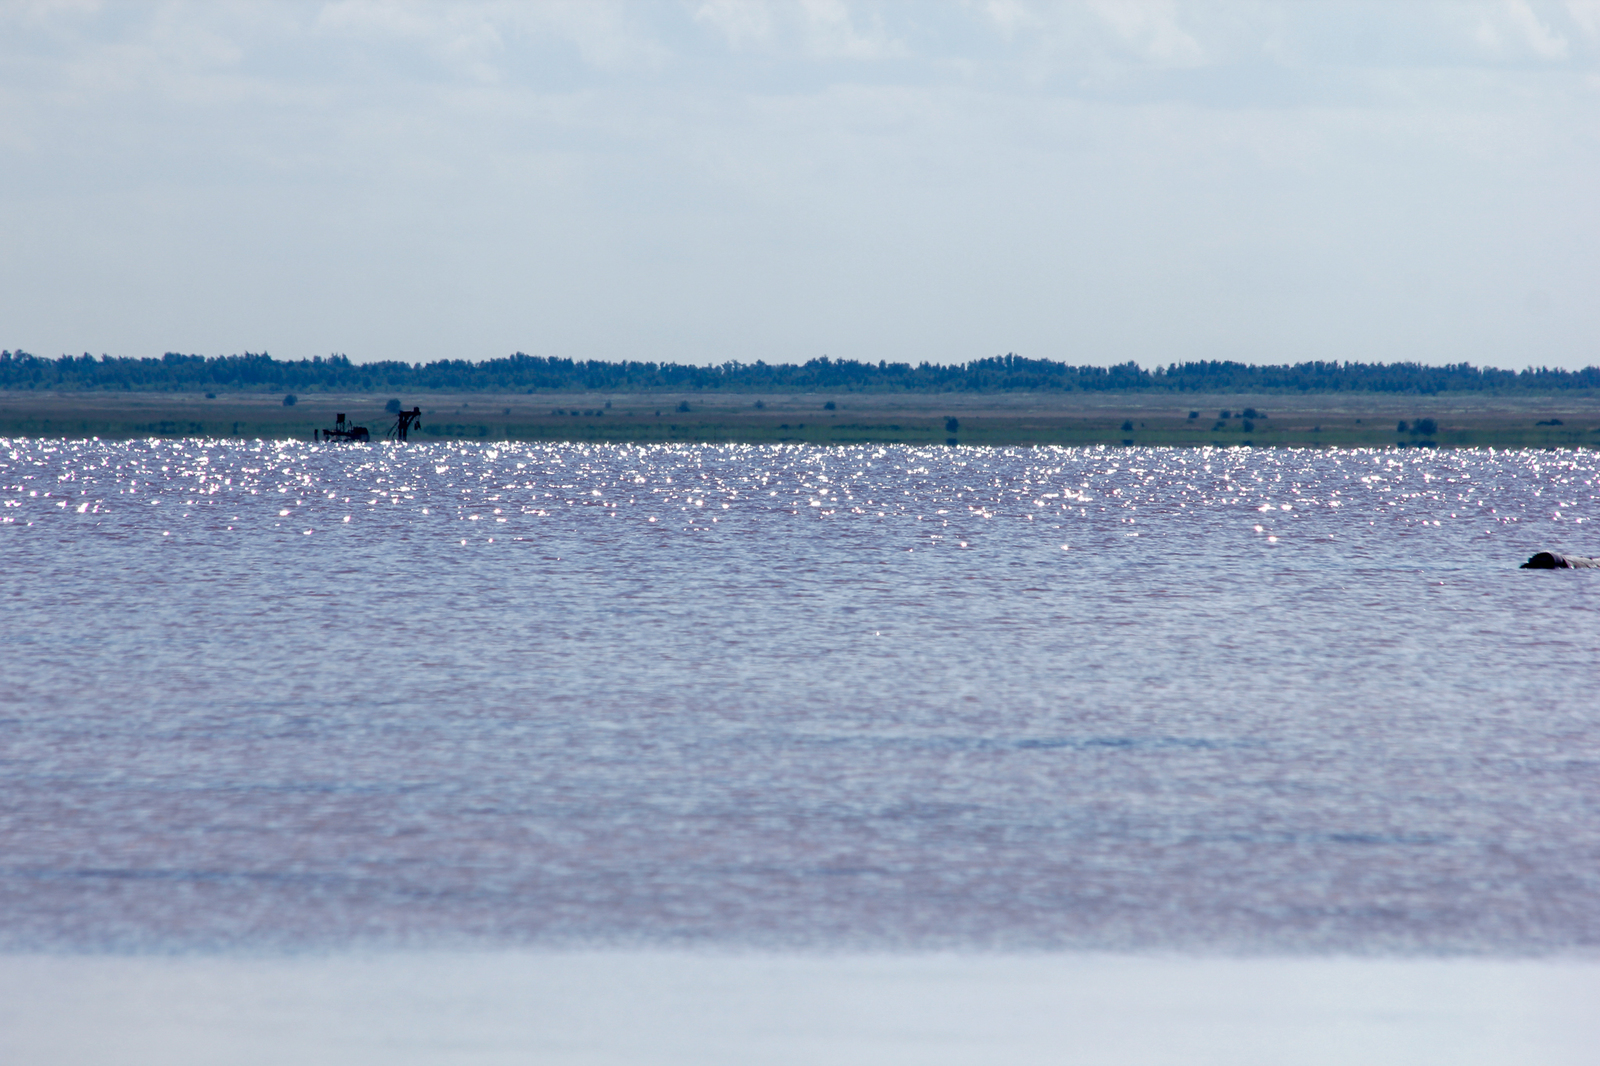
pixel 406 421
pixel 345 431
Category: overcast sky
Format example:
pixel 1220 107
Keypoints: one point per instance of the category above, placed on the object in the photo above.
pixel 738 179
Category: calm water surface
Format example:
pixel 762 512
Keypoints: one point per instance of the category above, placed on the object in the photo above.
pixel 266 694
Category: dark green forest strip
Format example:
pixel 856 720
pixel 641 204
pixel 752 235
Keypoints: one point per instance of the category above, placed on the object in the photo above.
pixel 524 373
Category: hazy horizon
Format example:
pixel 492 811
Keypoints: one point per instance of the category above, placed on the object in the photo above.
pixel 701 182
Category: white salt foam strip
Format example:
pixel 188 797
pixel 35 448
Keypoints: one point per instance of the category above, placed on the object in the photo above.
pixel 647 1008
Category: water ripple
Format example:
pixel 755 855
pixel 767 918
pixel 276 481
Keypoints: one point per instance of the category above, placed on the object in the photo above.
pixel 258 693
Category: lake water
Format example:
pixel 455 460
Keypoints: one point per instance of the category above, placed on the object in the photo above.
pixel 280 695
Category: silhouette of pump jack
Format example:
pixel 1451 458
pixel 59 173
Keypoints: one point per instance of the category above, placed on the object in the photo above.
pixel 406 420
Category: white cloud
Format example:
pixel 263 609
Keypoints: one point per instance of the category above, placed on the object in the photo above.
pixel 473 39
pixel 1535 33
pixel 464 39
pixel 832 32
pixel 1513 29
pixel 820 29
pixel 743 23
pixel 1585 14
pixel 1151 28
pixel 1013 17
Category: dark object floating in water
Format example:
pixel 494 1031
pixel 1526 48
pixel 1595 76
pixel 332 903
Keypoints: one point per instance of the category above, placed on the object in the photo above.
pixel 1557 561
pixel 1551 422
pixel 343 430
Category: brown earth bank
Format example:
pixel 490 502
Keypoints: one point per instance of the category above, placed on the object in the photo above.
pixel 1302 420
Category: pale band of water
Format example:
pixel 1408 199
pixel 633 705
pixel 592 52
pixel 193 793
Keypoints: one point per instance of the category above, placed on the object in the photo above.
pixel 678 1009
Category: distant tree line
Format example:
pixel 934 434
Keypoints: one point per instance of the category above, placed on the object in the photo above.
pixel 527 373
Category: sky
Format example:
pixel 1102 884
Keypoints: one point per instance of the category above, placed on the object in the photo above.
pixel 714 180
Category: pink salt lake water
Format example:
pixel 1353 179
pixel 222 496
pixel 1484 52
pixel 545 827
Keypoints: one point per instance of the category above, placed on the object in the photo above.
pixel 277 697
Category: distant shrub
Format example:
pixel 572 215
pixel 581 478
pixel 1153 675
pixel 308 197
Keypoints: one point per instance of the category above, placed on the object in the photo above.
pixel 1425 426
pixel 1194 414
pixel 1401 428
pixel 393 407
pixel 1249 426
pixel 951 425
pixel 1250 412
pixel 211 396
pixel 683 405
pixel 1127 427
pixel 830 406
pixel 290 400
pixel 761 405
pixel 1225 414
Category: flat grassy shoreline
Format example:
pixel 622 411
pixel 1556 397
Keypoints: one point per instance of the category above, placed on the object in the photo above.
pixel 1301 420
